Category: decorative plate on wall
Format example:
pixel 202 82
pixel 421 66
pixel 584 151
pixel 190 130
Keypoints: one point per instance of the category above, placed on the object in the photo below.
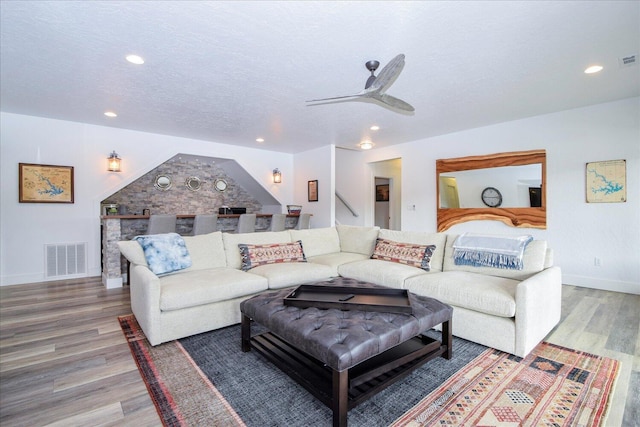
pixel 193 183
pixel 162 182
pixel 220 185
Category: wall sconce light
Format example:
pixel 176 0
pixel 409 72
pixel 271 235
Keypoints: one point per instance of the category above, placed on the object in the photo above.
pixel 277 176
pixel 113 162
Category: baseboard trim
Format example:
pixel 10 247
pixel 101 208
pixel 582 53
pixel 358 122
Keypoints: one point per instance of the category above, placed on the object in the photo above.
pixel 603 284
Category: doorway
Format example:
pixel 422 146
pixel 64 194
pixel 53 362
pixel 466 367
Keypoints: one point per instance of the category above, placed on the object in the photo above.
pixel 382 197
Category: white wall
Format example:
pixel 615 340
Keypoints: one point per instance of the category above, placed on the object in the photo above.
pixel 318 165
pixel 578 232
pixel 26 227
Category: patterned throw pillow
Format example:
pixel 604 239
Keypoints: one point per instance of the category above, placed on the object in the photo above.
pixel 404 253
pixel 165 253
pixel 270 253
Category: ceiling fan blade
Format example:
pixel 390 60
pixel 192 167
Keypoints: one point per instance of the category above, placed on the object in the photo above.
pixel 334 97
pixel 370 81
pixel 394 102
pixel 388 74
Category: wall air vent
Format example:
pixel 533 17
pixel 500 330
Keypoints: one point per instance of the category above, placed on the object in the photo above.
pixel 65 260
pixel 629 60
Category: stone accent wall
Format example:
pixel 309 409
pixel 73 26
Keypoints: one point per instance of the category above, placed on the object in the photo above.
pixel 142 194
pixel 111 258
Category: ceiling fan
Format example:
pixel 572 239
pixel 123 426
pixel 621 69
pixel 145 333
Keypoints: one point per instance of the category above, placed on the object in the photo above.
pixel 376 85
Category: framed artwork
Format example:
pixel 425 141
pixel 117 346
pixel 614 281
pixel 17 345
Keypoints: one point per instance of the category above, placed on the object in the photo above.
pixel 382 193
pixel 606 182
pixel 45 183
pixel 312 190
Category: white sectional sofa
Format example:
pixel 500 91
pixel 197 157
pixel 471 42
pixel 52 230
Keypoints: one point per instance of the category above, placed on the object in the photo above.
pixel 510 310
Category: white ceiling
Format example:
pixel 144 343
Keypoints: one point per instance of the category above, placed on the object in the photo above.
pixel 230 72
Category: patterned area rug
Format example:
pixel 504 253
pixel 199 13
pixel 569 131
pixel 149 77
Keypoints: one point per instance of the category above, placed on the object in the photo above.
pixel 552 386
pixel 206 380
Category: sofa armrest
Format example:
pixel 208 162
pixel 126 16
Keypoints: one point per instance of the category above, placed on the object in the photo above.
pixel 538 308
pixel 145 301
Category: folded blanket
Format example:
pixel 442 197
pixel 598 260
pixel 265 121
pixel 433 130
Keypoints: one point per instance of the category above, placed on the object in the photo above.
pixel 481 250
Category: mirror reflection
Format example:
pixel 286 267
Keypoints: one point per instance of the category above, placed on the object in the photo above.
pixel 518 186
pixel 507 187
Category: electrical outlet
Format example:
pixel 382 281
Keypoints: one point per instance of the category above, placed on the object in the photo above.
pixel 597 262
pixel 411 207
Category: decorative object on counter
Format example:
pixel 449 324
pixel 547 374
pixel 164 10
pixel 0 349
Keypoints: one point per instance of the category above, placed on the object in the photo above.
pixel 312 189
pixel 193 183
pixel 111 209
pixel 163 182
pixel 277 176
pixel 294 209
pixel 146 212
pixel 45 183
pixel 220 185
pixel 113 162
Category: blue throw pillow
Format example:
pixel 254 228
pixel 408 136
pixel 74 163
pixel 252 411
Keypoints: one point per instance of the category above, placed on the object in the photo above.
pixel 165 253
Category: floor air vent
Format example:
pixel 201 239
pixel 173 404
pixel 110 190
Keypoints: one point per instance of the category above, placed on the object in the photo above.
pixel 65 260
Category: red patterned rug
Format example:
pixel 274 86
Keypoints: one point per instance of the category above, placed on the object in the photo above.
pixel 552 386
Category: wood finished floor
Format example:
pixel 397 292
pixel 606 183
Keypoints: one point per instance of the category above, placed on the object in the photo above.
pixel 64 360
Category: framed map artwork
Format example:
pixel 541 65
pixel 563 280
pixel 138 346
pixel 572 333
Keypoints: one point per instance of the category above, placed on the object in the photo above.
pixel 607 181
pixel 45 183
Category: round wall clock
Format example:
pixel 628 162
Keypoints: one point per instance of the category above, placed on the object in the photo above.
pixel 491 197
pixel 220 185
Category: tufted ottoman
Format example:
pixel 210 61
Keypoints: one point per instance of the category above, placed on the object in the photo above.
pixel 344 357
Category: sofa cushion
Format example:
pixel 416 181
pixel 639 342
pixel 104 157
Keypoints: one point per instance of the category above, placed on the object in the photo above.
pixel 404 253
pixel 317 241
pixel 533 261
pixel 292 274
pixel 272 253
pixel 420 238
pixel 487 294
pixel 165 253
pixel 207 251
pixel 337 259
pixel 356 239
pixel 385 273
pixel 199 287
pixel 232 240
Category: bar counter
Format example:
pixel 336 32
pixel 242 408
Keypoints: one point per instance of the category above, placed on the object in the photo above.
pixel 125 227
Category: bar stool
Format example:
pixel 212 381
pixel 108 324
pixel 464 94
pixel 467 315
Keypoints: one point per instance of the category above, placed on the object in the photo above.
pixel 205 224
pixel 304 221
pixel 277 222
pixel 159 224
pixel 246 223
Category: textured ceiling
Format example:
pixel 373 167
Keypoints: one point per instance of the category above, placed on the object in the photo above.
pixel 230 72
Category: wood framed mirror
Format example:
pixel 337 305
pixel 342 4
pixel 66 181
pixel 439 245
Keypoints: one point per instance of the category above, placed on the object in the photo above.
pixel 518 178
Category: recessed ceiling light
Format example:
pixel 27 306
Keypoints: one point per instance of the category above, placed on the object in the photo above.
pixel 259 139
pixel 366 145
pixel 135 59
pixel 593 69
pixel 375 127
pixel 110 114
